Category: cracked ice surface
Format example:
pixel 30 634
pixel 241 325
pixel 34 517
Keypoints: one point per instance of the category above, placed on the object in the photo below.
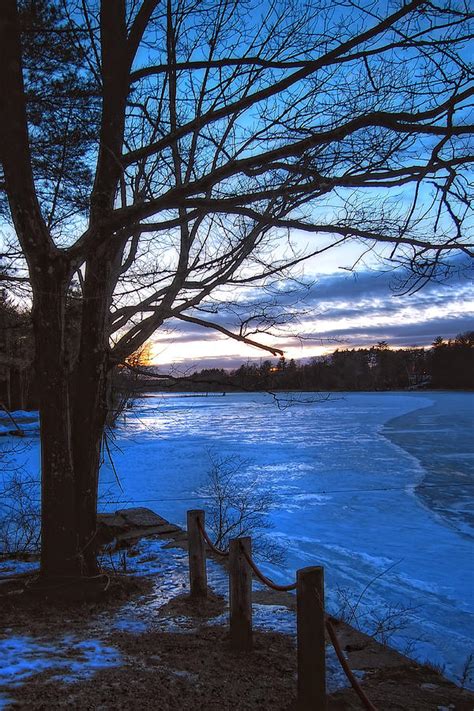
pixel 376 487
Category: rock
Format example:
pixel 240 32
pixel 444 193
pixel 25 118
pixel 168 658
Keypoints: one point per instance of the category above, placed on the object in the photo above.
pixel 129 538
pixel 126 526
pixel 109 525
pixel 112 520
pixel 141 517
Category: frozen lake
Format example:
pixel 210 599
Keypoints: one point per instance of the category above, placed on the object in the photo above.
pixel 377 487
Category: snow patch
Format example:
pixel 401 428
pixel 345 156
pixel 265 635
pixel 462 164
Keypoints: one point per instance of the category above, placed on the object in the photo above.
pixel 23 656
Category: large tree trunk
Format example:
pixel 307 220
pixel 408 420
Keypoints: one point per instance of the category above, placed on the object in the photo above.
pixel 89 415
pixel 58 537
pixel 89 411
pixel 72 415
pixel 72 424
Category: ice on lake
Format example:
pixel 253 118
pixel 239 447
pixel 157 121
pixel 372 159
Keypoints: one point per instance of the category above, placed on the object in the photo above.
pixel 377 487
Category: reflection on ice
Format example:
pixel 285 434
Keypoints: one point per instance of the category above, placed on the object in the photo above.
pixel 363 482
pixel 349 475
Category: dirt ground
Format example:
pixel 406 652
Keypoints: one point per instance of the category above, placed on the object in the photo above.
pixel 196 669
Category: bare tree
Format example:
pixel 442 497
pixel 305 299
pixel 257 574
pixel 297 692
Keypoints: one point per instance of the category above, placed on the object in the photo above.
pixel 225 129
pixel 237 507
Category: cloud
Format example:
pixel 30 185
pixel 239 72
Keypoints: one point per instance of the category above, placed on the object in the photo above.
pixel 402 334
pixel 341 310
pixel 369 284
pixel 187 333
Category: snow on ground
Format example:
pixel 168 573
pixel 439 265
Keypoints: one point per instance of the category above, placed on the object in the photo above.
pixel 78 656
pixel 73 657
pixel 10 567
pixel 23 656
pixel 19 419
pixel 374 486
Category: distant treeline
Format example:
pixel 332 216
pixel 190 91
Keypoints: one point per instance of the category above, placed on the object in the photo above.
pixel 446 365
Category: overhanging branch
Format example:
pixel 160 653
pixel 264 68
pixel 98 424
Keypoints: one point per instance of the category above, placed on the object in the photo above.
pixel 230 334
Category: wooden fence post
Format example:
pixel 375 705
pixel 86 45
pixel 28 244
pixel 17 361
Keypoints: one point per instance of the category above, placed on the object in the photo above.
pixel 240 594
pixel 197 554
pixel 310 625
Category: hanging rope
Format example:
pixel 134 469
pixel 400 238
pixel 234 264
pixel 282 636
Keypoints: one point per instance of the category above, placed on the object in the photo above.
pixel 347 670
pixel 287 588
pixel 211 545
pixel 263 578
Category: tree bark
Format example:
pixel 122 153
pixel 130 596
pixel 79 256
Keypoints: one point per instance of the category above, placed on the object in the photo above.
pixel 89 409
pixel 72 415
pixel 72 402
pixel 59 539
pixel 89 414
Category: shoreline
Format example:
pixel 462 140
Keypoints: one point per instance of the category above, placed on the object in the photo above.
pixel 358 541
pixel 391 680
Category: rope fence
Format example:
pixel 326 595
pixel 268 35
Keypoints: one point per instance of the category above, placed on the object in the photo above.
pixel 347 670
pixel 266 581
pixel 211 545
pixel 311 619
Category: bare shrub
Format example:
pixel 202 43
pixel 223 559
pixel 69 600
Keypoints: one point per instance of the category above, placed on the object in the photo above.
pixel 382 622
pixel 237 506
pixel 19 506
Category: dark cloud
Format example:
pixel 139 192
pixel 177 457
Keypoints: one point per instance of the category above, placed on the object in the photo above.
pixel 187 333
pixel 370 285
pixel 401 334
pixel 345 298
pixel 367 285
pixel 368 309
